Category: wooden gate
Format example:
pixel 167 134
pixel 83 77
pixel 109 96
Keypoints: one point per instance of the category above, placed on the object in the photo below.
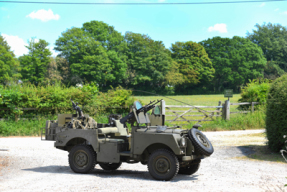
pixel 176 113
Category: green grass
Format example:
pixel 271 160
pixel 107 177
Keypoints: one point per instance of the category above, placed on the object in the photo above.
pixel 22 127
pixel 33 127
pixel 237 121
pixel 202 100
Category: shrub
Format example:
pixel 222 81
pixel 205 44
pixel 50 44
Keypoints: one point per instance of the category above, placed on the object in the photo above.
pixel 54 99
pixel 255 91
pixel 276 115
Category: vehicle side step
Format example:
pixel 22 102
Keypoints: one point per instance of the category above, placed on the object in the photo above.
pixel 125 153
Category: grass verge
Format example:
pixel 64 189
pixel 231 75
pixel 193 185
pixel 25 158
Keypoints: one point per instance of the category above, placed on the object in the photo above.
pixel 256 142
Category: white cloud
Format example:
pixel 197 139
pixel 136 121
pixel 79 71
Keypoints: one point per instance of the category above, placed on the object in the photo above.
pixel 262 5
pixel 276 9
pixel 44 15
pixel 284 13
pixel 220 27
pixel 54 53
pixel 17 44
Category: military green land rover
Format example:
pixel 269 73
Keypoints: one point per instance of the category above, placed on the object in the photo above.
pixel 167 151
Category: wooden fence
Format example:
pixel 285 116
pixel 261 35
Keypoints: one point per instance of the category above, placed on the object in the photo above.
pixel 204 113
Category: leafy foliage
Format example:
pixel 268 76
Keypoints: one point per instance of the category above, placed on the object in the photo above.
pixel 272 38
pixel 34 65
pixel 54 99
pixel 88 59
pixel 276 115
pixel 9 66
pixel 194 64
pixel 255 91
pixel 235 61
pixel 148 62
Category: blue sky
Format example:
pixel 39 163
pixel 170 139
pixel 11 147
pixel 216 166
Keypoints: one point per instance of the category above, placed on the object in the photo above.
pixel 167 23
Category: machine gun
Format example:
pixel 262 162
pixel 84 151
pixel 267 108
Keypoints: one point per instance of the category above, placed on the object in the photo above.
pixel 78 110
pixel 138 109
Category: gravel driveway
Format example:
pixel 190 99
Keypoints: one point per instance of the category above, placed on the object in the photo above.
pixel 34 165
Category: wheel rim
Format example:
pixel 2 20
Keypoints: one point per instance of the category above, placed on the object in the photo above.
pixel 202 140
pixel 162 165
pixel 81 159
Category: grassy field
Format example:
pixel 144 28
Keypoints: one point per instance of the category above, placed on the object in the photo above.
pixel 237 122
pixel 202 100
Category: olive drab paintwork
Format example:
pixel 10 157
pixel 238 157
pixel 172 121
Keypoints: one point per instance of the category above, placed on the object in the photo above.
pixel 166 150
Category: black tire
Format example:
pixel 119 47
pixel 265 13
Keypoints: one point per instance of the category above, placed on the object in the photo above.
pixel 163 165
pixel 191 168
pixel 200 141
pixel 110 166
pixel 82 159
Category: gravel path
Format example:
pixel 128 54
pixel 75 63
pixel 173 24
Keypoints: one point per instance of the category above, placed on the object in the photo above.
pixel 34 165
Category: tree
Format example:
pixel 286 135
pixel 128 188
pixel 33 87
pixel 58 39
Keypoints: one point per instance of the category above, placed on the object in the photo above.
pixel 9 65
pixel 35 63
pixel 89 60
pixel 148 62
pixel 272 38
pixel 64 69
pixel 53 74
pixel 194 64
pixel 235 61
pixel 109 38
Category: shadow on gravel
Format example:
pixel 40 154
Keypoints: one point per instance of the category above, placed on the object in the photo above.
pixel 233 151
pixel 263 153
pixel 132 174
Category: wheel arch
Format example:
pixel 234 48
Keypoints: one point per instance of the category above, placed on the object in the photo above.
pixel 153 147
pixel 76 141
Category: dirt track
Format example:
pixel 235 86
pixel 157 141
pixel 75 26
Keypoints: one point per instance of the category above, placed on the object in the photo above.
pixel 34 165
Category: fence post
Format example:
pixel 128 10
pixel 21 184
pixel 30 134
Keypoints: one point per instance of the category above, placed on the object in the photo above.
pixel 218 109
pixel 226 110
pixel 223 111
pixel 252 107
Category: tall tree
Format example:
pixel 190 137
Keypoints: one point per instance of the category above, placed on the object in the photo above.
pixel 53 74
pixel 194 64
pixel 272 38
pixel 9 65
pixel 89 60
pixel 109 38
pixel 35 63
pixel 148 62
pixel 235 61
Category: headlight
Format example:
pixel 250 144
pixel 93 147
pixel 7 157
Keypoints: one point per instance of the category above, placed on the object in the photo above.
pixel 183 142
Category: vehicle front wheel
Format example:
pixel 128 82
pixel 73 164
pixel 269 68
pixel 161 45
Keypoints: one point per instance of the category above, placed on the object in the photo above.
pixel 163 165
pixel 82 159
pixel 191 168
pixel 110 166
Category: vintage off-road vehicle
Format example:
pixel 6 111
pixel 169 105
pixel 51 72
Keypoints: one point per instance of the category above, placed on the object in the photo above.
pixel 167 151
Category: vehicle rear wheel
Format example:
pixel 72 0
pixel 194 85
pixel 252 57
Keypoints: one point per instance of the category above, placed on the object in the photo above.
pixel 110 166
pixel 191 168
pixel 163 165
pixel 82 158
pixel 200 141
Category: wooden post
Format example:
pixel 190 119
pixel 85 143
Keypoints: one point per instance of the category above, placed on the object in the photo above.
pixel 227 110
pixel 223 111
pixel 252 107
pixel 218 109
